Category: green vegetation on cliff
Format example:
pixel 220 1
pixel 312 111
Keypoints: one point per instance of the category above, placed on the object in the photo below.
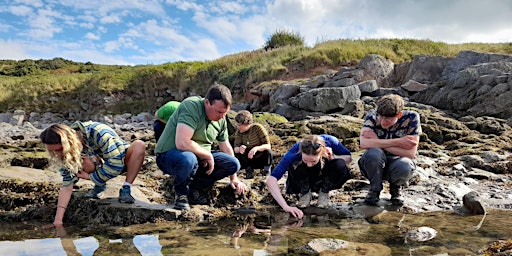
pixel 60 85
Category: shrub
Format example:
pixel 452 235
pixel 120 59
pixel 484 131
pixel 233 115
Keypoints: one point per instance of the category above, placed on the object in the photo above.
pixel 282 38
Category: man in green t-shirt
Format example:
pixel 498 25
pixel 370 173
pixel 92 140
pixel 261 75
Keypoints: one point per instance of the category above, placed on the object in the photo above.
pixel 162 115
pixel 185 148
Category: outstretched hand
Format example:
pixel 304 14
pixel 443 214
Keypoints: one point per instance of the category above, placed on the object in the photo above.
pixel 238 186
pixel 52 225
pixel 294 211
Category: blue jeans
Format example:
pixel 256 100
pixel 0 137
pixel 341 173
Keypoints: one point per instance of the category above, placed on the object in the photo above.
pixel 190 173
pixel 158 127
pixel 376 166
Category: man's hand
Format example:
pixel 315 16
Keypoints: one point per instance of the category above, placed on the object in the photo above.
pixel 408 142
pixel 369 134
pixel 238 186
pixel 210 163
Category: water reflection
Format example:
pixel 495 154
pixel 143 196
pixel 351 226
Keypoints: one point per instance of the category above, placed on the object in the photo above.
pixel 270 233
pixel 85 246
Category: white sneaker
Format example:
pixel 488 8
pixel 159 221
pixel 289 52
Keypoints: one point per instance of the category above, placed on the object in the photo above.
pixel 304 200
pixel 323 200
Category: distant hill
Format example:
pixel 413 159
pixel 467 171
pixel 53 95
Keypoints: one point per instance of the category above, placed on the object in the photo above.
pixel 79 90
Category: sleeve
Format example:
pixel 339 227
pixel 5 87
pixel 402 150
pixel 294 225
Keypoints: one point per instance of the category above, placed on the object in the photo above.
pixel 337 147
pixel 414 125
pixel 68 178
pixel 291 156
pixel 370 119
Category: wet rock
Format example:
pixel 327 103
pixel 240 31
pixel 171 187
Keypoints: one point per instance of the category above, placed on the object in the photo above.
pixel 473 204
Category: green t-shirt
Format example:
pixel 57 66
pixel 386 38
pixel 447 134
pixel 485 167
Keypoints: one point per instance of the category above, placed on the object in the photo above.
pixel 191 112
pixel 165 111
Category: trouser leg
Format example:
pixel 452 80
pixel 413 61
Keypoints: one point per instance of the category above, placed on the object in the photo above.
pixel 372 165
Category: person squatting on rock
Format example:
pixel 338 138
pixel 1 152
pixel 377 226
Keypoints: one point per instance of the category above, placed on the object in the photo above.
pixel 92 151
pixel 185 148
pixel 162 115
pixel 252 145
pixel 317 163
pixel 390 136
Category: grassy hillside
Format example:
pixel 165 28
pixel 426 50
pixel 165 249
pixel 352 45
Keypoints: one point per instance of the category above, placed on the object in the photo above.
pixel 60 85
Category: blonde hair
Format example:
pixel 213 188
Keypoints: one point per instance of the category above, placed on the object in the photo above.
pixel 71 147
pixel 313 145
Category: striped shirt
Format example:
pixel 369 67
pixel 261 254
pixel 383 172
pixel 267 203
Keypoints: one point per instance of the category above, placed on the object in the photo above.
pixel 256 135
pixel 100 140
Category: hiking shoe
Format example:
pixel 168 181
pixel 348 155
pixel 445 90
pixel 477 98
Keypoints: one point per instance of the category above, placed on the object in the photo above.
pixel 304 200
pixel 125 195
pixel 195 197
pixel 181 203
pixel 372 198
pixel 96 192
pixel 396 197
pixel 249 173
pixel 323 200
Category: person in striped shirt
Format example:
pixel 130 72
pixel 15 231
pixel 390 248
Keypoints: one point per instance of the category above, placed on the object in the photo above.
pixel 252 145
pixel 92 151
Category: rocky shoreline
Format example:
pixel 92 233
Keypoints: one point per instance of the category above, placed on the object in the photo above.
pixel 465 148
pixel 444 175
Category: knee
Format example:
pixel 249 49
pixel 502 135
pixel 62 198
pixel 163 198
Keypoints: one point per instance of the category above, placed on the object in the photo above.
pixel 374 154
pixel 188 160
pixel 401 171
pixel 138 147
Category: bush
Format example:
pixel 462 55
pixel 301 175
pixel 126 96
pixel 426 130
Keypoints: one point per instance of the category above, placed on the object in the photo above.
pixel 283 38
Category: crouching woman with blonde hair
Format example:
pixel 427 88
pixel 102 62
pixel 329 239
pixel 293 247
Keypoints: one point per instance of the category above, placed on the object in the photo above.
pixel 317 163
pixel 92 151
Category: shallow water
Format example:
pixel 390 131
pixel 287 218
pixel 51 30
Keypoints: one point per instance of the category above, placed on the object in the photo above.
pixel 267 233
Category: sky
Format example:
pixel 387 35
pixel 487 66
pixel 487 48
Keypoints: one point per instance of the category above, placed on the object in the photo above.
pixel 147 32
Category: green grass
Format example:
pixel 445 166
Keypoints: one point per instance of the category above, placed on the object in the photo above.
pixel 60 85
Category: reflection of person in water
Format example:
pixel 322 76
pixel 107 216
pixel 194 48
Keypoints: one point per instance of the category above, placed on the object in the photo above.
pixel 275 242
pixel 66 241
pixel 247 224
pixel 139 245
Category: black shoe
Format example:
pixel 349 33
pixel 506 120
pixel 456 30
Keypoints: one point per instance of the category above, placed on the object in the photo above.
pixel 181 203
pixel 266 170
pixel 195 197
pixel 396 197
pixel 372 198
pixel 249 173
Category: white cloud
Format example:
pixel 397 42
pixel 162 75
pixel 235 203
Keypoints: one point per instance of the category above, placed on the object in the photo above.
pixel 112 18
pixel 11 50
pixel 34 3
pixel 20 10
pixel 152 31
pixel 92 36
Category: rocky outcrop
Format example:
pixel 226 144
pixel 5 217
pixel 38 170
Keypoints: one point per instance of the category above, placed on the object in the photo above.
pixel 472 83
pixel 465 147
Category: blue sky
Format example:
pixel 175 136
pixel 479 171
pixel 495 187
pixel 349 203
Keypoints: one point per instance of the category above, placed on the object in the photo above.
pixel 132 32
